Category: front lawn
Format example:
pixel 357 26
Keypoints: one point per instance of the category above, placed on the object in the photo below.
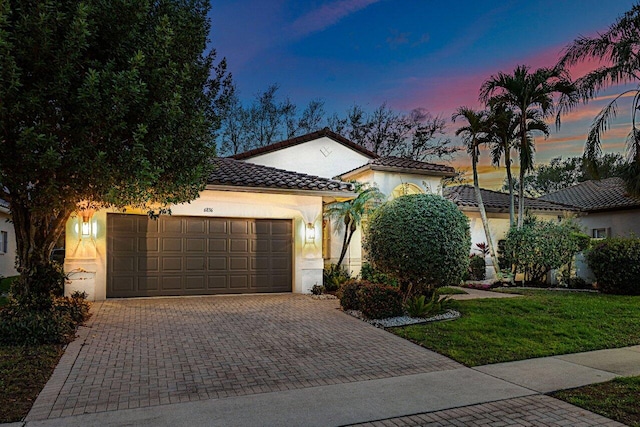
pixel 541 323
pixel 23 373
pixel 618 399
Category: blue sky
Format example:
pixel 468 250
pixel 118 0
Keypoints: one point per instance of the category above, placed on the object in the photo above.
pixel 408 53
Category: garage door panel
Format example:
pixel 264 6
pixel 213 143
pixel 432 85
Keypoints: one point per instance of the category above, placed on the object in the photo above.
pixel 195 245
pixel 239 245
pixel 124 244
pixel 149 283
pixel 217 245
pixel 149 264
pixel 195 264
pixel 172 264
pixel 197 255
pixel 238 282
pixel 239 263
pixel 148 244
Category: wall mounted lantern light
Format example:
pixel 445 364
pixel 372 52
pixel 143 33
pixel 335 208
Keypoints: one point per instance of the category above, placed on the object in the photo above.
pixel 310 233
pixel 85 225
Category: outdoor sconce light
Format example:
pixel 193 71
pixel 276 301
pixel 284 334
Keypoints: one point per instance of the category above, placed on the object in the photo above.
pixel 310 234
pixel 85 225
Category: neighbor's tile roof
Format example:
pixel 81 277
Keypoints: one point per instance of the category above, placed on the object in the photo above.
pixel 230 172
pixel 606 194
pixel 326 132
pixel 495 201
pixel 399 164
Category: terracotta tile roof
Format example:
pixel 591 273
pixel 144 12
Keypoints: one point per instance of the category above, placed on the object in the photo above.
pixel 495 201
pixel 589 196
pixel 326 132
pixel 230 172
pixel 399 164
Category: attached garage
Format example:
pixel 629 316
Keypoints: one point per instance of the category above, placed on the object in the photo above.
pixel 189 255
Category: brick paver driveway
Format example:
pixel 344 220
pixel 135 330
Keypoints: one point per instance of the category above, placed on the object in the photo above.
pixel 146 352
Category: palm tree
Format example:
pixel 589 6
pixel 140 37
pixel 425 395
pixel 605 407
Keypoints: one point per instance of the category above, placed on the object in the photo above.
pixel 474 134
pixel 503 137
pixel 347 215
pixel 530 93
pixel 618 49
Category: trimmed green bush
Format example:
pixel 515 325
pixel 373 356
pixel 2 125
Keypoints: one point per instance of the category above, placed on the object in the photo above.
pixel 541 246
pixel 370 274
pixel 348 294
pixel 616 265
pixel 422 240
pixel 380 301
pixel 333 276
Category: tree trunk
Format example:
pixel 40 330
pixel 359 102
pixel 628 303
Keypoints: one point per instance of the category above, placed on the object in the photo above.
pixel 483 212
pixel 346 240
pixel 523 143
pixel 512 213
pixel 36 235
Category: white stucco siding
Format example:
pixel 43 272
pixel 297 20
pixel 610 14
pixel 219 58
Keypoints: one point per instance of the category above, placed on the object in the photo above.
pixel 621 223
pixel 8 258
pixel 91 254
pixel 321 157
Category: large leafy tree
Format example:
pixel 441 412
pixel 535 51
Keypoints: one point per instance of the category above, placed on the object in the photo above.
pixel 105 103
pixel 347 215
pixel 618 50
pixel 531 96
pixel 476 132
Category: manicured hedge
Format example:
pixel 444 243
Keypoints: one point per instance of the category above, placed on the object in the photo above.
pixel 616 265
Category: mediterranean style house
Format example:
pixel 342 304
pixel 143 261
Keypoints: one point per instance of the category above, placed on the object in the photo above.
pixel 257 227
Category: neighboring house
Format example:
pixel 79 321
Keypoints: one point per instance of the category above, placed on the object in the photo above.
pixel 327 154
pixel 606 209
pixel 253 229
pixel 497 206
pixel 7 242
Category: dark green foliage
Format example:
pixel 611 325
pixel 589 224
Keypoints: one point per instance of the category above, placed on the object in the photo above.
pixel 422 240
pixel 616 265
pixel 317 290
pixel 27 325
pixel 380 301
pixel 334 276
pixel 370 274
pixel 112 103
pixel 348 294
pixel 540 246
pixel 36 288
pixel 477 268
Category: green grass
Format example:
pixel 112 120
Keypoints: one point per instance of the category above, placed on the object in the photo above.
pixel 618 399
pixel 23 373
pixel 541 323
pixel 447 290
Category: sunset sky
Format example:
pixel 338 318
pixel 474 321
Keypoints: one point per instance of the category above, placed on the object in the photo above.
pixel 410 53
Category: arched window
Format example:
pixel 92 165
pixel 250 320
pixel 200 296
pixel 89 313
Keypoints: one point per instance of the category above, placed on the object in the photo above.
pixel 405 189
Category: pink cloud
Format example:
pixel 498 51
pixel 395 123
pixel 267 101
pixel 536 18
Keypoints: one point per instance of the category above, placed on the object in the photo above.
pixel 327 15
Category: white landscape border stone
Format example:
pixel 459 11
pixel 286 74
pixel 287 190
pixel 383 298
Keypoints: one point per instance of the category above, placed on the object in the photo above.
pixel 392 322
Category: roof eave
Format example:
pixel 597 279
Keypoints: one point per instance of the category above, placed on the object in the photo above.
pixel 355 172
pixel 292 191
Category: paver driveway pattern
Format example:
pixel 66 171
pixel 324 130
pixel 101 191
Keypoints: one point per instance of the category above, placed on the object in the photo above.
pixel 146 352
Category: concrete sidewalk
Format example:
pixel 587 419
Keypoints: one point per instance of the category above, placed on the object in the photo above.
pixel 508 393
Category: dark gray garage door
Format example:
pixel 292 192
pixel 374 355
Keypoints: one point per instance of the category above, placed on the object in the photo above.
pixel 179 255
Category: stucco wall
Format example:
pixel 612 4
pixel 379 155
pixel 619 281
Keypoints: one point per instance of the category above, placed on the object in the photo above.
pixel 8 260
pixel 622 223
pixel 321 157
pixel 90 254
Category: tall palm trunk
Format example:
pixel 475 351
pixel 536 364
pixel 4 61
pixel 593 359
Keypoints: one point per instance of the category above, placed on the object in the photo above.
pixel 512 208
pixel 483 212
pixel 348 233
pixel 523 167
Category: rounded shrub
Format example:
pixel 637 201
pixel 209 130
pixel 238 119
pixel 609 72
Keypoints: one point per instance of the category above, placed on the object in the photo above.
pixel 422 240
pixel 348 294
pixel 477 268
pixel 380 301
pixel 616 265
